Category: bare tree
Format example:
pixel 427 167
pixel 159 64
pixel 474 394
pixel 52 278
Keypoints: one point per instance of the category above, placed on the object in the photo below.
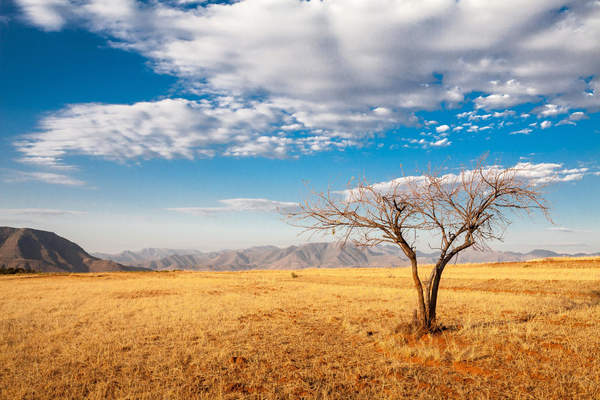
pixel 462 210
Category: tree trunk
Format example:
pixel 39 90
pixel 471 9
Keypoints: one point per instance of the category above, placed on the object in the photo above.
pixel 433 294
pixel 422 315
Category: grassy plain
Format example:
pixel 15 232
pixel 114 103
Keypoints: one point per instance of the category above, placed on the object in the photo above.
pixel 518 331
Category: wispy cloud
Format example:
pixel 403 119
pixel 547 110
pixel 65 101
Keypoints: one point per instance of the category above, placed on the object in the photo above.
pixel 503 114
pixel 524 131
pixel 45 177
pixel 564 229
pixel 573 118
pixel 39 212
pixel 241 205
pixel 50 15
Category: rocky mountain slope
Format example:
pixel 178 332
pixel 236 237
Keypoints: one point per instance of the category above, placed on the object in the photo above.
pixel 42 251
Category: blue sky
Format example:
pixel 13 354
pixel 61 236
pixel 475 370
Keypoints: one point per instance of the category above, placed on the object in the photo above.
pixel 127 124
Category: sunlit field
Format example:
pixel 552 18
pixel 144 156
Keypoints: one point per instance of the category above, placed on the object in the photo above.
pixel 514 330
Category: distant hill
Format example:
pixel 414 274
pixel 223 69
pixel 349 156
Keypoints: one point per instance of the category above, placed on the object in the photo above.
pixel 42 251
pixel 311 255
pixel 145 255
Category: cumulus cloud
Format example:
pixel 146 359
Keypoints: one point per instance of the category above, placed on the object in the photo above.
pixel 168 128
pixel 241 205
pixel 545 124
pixel 442 128
pixel 326 67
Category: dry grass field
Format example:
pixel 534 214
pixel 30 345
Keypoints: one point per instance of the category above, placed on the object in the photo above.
pixel 516 331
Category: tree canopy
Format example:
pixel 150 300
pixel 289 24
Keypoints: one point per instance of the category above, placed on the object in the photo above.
pixel 463 210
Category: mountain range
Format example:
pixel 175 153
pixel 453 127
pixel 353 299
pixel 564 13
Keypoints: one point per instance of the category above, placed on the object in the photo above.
pixel 41 251
pixel 35 250
pixel 311 255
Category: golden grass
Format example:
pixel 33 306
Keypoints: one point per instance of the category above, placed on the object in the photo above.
pixel 567 259
pixel 517 332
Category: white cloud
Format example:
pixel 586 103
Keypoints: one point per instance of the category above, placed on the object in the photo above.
pixel 169 129
pixel 466 114
pixel 39 212
pixel 549 172
pixel 441 143
pixel 524 131
pixel 481 117
pixel 382 111
pixel 45 177
pixel 537 174
pixel 442 128
pixel 47 14
pixel 330 67
pixel 550 110
pixel 44 161
pixel 565 122
pixel 564 229
pixel 545 124
pixel 577 116
pixel 425 144
pixel 495 101
pixel 241 205
pixel 503 114
pixel 561 229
